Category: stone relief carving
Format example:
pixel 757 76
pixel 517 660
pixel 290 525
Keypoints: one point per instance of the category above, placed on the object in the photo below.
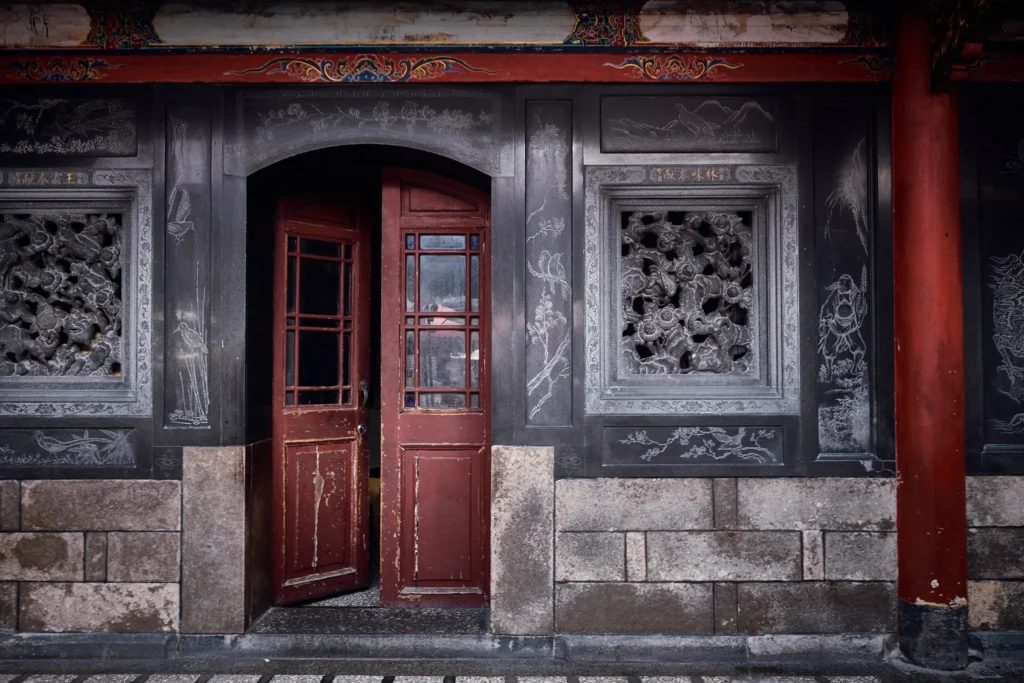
pixel 844 417
pixel 604 391
pixel 549 293
pixel 190 337
pixel 844 382
pixel 61 295
pixel 673 124
pixel 758 446
pixel 1007 285
pixel 68 448
pixel 687 293
pixel 124 390
pixel 68 126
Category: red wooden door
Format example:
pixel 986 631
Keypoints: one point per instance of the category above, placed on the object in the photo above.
pixel 435 398
pixel 321 368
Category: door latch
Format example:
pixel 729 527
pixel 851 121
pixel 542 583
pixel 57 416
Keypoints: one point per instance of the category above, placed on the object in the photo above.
pixel 364 391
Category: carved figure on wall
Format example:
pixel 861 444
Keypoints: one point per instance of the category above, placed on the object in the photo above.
pixel 844 412
pixel 66 126
pixel 1007 285
pixel 60 295
pixel 687 288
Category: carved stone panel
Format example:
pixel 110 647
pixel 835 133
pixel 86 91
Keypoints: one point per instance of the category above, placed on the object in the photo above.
pixel 688 124
pixel 844 236
pixel 468 125
pixel 694 445
pixel 68 448
pixel 549 263
pixel 68 126
pixel 75 267
pixel 691 290
pixel 187 255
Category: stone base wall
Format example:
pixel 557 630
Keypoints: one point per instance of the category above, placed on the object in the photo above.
pixel 98 555
pixel 995 553
pixel 700 556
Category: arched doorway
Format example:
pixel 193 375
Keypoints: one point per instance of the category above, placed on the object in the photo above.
pixel 375 269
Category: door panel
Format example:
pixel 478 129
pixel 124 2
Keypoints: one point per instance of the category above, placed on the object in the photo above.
pixel 435 399
pixel 321 366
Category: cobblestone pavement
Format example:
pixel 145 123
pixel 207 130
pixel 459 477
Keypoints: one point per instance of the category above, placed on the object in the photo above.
pixel 243 678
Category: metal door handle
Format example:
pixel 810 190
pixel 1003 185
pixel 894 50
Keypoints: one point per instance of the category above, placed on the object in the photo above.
pixel 364 390
pixel 361 429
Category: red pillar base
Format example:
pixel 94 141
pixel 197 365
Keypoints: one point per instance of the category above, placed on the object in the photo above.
pixel 933 637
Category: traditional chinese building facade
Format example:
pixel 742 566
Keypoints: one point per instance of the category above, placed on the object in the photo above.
pixel 589 328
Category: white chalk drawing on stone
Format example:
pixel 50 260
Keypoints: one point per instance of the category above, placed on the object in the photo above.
pixel 709 125
pixel 851 194
pixel 192 354
pixel 687 293
pixel 1007 285
pixel 60 126
pixel 108 448
pixel 550 329
pixel 714 443
pixel 844 410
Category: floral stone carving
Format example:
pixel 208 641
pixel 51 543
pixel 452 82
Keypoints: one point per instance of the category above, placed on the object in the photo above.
pixel 60 295
pixel 687 293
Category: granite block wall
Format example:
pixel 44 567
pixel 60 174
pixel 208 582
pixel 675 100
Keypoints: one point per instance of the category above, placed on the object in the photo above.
pixel 995 553
pixel 98 555
pixel 724 555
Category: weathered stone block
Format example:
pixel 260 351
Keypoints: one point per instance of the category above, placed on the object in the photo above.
pixel 725 608
pixel 995 553
pixel 522 540
pixel 636 556
pixel 725 503
pixel 860 556
pixel 842 504
pixel 143 556
pixel 590 556
pixel 96 556
pixel 121 607
pixel 101 505
pixel 995 501
pixel 8 606
pixel 995 605
pixel 41 557
pixel 633 504
pixel 665 608
pixel 723 556
pixel 10 505
pixel 814 555
pixel 213 540
pixel 816 607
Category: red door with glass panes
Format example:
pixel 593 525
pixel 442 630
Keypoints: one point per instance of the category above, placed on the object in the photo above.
pixel 321 368
pixel 435 466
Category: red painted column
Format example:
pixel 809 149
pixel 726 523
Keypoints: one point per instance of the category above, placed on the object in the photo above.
pixel 930 484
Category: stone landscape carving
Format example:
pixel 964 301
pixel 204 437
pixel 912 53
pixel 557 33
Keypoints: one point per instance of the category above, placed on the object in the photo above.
pixel 67 126
pixel 694 125
pixel 60 295
pixel 714 443
pixel 687 293
pixel 1007 285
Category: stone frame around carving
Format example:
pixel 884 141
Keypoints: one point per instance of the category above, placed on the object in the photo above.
pixel 777 389
pixel 130 394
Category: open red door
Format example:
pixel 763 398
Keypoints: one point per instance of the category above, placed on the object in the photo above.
pixel 435 398
pixel 321 369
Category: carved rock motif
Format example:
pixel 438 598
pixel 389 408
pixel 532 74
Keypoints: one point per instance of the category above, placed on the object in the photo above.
pixel 687 293
pixel 67 126
pixel 60 295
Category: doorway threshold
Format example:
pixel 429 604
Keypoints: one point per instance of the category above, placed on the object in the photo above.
pixel 358 621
